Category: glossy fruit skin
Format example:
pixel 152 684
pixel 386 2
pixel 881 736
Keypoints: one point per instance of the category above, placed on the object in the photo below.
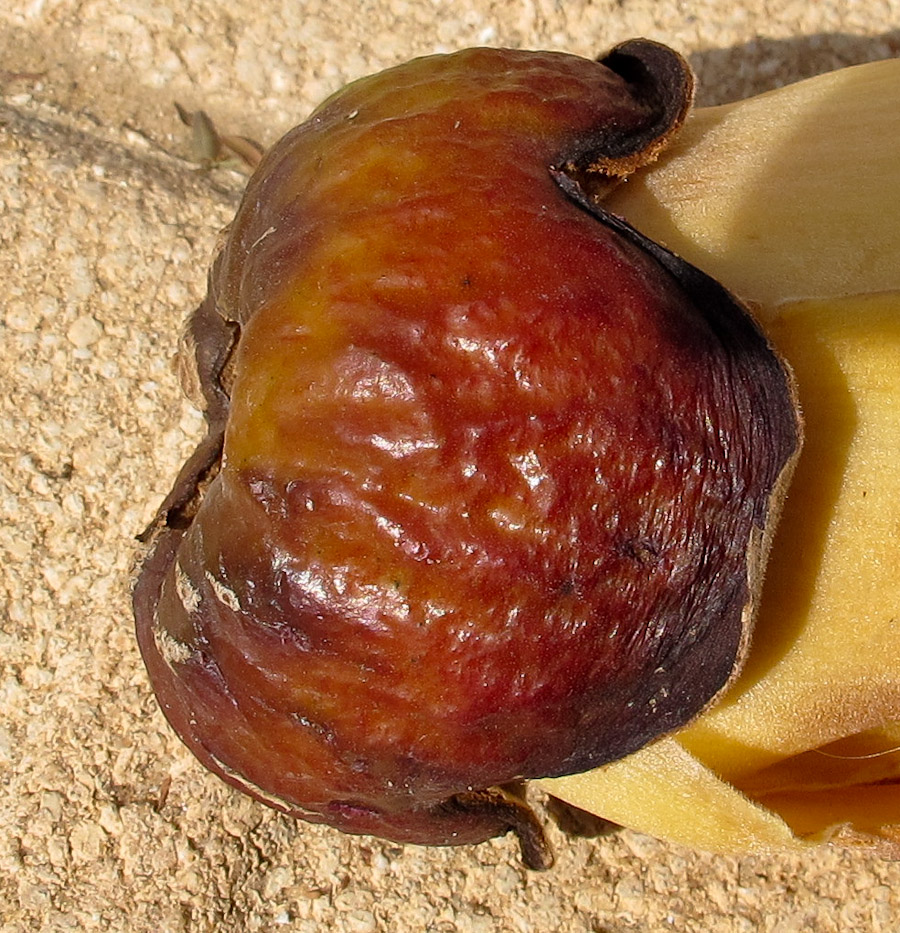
pixel 490 473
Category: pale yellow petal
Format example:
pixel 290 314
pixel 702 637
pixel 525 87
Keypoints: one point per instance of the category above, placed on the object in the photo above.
pixel 665 792
pixel 825 660
pixel 789 195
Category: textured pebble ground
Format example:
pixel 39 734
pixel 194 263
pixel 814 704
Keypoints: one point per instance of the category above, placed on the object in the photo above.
pixel 105 822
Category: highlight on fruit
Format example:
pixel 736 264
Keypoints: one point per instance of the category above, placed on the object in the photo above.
pixel 491 478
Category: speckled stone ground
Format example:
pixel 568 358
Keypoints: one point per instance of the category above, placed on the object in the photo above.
pixel 106 823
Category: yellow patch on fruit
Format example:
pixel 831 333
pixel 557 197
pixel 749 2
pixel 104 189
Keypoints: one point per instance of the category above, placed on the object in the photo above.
pixel 790 199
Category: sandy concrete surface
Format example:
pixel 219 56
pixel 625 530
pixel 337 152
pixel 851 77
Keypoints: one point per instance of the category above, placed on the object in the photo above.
pixel 106 822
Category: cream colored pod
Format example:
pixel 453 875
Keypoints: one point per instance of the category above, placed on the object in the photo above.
pixel 792 200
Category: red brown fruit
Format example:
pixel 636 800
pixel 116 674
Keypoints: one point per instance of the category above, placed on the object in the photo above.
pixel 497 471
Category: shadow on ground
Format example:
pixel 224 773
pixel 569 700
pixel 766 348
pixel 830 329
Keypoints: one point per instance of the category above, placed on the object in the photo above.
pixel 729 74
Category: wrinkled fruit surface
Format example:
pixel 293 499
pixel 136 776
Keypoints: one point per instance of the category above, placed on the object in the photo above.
pixel 497 470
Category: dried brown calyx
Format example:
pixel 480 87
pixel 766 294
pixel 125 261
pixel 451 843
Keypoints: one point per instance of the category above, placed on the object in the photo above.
pixel 489 475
